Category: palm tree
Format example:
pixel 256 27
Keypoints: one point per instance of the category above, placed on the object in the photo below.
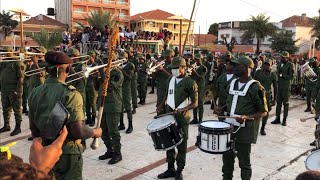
pixel 6 22
pixel 282 41
pixel 257 27
pixel 98 19
pixel 46 39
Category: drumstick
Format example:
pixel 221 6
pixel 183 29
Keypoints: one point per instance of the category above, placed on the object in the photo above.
pixel 234 117
pixel 305 119
pixel 161 115
pixel 153 112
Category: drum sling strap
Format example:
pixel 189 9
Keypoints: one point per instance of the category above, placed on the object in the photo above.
pixel 170 97
pixel 236 94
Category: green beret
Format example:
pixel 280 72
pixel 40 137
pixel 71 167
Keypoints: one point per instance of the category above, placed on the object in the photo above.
pixel 198 56
pixel 285 54
pixel 168 52
pixel 311 60
pixel 177 62
pixel 57 58
pixel 41 49
pixel 73 51
pixel 245 60
pixel 123 55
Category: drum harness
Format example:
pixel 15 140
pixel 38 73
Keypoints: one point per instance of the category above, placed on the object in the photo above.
pixel 236 94
pixel 170 97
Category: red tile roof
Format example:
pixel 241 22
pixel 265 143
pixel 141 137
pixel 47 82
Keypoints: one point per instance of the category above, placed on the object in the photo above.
pixel 154 15
pixel 204 39
pixel 297 21
pixel 45 20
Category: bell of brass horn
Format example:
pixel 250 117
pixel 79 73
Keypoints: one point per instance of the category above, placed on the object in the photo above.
pixel 87 70
pixel 95 144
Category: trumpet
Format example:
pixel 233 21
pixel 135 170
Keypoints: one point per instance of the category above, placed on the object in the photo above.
pixel 87 71
pixel 191 68
pixel 37 54
pixel 79 57
pixel 32 72
pixel 152 69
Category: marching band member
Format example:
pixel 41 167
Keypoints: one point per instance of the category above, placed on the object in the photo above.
pixel 180 89
pixel 285 75
pixel 142 79
pixel 198 74
pixel 134 94
pixel 162 75
pixel 246 100
pixel 11 74
pixel 267 78
pixel 127 71
pixel 310 85
pixel 111 114
pixel 53 90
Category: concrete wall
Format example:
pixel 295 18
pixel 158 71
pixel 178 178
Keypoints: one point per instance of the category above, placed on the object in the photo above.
pixel 63 11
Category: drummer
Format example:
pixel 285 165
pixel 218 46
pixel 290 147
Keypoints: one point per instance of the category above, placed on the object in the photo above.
pixel 179 90
pixel 250 104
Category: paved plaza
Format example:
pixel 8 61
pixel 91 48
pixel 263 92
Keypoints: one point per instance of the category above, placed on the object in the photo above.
pixel 279 155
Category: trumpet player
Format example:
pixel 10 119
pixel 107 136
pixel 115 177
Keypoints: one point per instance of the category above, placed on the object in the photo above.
pixel 310 85
pixel 91 91
pixel 198 75
pixel 11 79
pixel 127 70
pixel 53 90
pixel 162 74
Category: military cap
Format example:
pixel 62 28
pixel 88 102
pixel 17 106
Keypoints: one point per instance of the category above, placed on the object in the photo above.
pixel 177 62
pixel 285 54
pixel 198 56
pixel 56 58
pixel 41 49
pixel 245 60
pixel 311 60
pixel 129 49
pixel 123 55
pixel 268 61
pixel 73 51
pixel 168 52
pixel 91 53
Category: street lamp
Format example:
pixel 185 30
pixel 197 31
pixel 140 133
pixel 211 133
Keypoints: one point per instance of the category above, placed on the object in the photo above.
pixel 21 25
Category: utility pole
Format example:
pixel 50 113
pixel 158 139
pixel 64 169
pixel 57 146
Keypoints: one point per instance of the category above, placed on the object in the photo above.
pixel 199 37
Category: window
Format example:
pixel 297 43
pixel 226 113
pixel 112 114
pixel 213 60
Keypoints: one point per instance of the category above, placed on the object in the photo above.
pixel 174 26
pixel 78 11
pixel 122 2
pixel 165 25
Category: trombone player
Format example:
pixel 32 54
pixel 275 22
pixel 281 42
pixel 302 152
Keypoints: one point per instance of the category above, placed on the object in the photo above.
pixel 11 80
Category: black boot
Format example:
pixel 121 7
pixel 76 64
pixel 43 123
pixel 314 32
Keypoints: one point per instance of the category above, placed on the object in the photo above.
pixel 93 121
pixel 25 111
pixel 178 175
pixel 284 122
pixel 168 173
pixel 194 121
pixel 121 126
pixel 140 101
pixel 143 101
pixel 107 155
pixel 116 158
pixel 308 109
pixel 133 110
pixel 130 129
pixel 17 129
pixel 5 128
pixel 30 138
pixel 151 92
pixel 313 143
pixel 276 121
pixel 88 121
pixel 262 131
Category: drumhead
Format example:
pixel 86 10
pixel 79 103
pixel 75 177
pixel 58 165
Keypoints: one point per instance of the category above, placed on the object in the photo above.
pixel 313 161
pixel 215 124
pixel 161 123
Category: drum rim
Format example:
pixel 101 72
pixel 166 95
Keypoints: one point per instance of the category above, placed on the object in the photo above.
pixel 171 147
pixel 210 152
pixel 305 162
pixel 227 129
pixel 168 125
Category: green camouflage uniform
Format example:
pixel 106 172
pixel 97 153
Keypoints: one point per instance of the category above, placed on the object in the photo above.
pixel 142 81
pixel 91 96
pixel 134 85
pixel 25 91
pixel 222 84
pixel 37 79
pixel 53 90
pixel 254 101
pixel 311 86
pixel 112 110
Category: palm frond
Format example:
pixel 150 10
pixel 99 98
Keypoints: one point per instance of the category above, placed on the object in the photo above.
pixel 46 39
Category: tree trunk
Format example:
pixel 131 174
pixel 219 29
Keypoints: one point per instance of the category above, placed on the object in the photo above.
pixel 258 46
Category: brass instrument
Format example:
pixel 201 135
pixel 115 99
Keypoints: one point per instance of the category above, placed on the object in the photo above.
pixel 87 71
pixel 212 74
pixel 35 54
pixel 32 72
pixel 309 73
pixel 191 68
pixel 153 68
pixel 209 93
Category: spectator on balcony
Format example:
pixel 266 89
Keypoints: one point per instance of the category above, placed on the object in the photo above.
pixel 160 35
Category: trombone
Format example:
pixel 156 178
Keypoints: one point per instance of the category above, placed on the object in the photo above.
pixel 21 58
pixel 31 74
pixel 152 69
pixel 87 71
pixel 32 53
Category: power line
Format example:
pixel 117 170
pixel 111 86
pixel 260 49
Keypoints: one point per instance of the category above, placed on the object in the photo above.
pixel 262 8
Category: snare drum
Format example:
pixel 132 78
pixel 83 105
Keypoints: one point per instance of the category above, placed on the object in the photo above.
pixel 164 133
pixel 313 161
pixel 214 137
